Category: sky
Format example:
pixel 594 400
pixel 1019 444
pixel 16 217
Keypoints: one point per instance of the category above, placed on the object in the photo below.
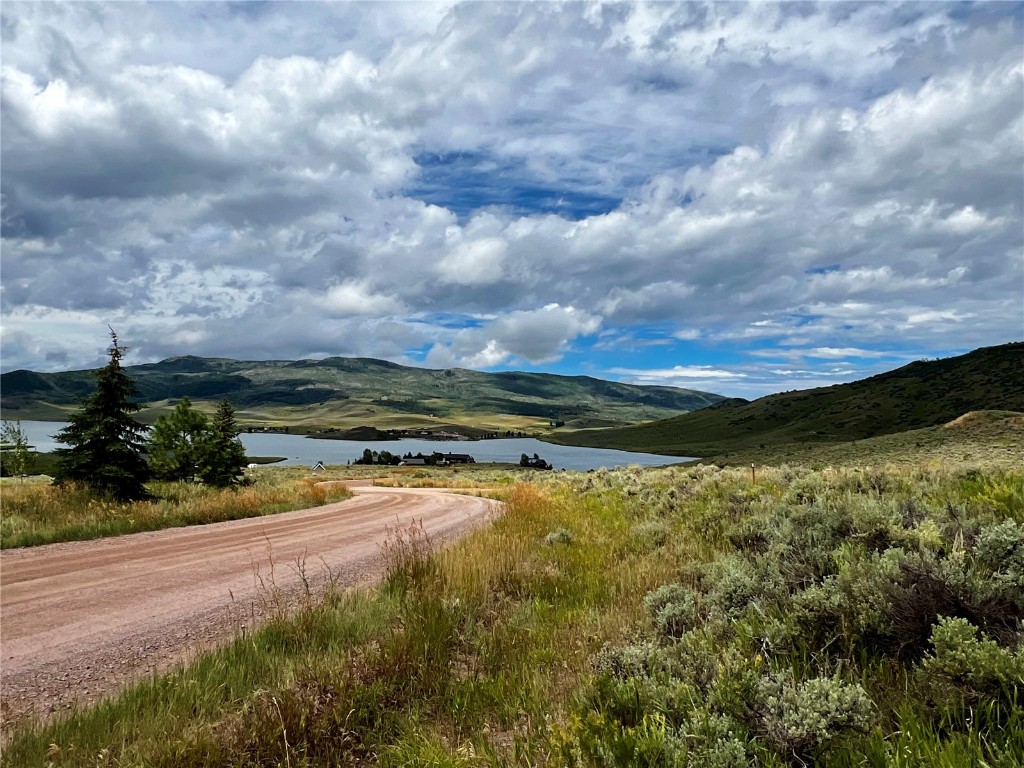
pixel 735 198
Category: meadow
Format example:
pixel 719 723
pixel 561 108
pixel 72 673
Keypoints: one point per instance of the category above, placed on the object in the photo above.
pixel 36 512
pixel 989 438
pixel 672 617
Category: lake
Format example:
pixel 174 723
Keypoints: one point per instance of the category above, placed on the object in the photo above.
pixel 300 450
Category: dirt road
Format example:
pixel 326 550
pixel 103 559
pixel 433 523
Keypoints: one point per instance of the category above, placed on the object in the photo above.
pixel 78 620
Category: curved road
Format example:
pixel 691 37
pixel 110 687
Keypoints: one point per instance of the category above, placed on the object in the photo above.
pixel 78 620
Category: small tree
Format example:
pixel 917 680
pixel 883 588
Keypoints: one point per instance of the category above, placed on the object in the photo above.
pixel 106 445
pixel 224 463
pixel 179 443
pixel 15 448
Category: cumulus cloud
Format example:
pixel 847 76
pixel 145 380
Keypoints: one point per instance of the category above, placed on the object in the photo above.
pixel 474 263
pixel 355 297
pixel 537 336
pixel 293 180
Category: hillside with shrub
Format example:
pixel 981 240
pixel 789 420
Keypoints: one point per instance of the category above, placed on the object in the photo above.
pixel 922 394
pixel 985 437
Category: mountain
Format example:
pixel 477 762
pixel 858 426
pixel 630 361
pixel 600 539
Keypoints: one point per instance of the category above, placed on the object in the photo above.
pixel 922 394
pixel 340 392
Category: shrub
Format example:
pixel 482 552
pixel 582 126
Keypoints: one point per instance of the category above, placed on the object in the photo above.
pixel 929 586
pixel 672 608
pixel 559 536
pixel 751 534
pixel 727 752
pixel 818 611
pixel 650 535
pixel 800 718
pixel 830 573
pixel 736 583
pixel 695 659
pixel 1000 550
pixel 641 660
pixel 964 668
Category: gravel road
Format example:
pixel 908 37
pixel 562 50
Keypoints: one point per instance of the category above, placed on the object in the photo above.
pixel 80 620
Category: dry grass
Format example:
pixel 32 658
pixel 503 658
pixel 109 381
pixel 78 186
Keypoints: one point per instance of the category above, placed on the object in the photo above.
pixel 36 513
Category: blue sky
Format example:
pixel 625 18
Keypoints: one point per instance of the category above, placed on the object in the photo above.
pixel 739 198
pixel 466 183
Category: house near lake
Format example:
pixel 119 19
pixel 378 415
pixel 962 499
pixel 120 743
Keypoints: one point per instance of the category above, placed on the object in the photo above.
pixel 454 458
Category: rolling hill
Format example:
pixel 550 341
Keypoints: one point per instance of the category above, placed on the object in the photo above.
pixel 349 392
pixel 978 438
pixel 918 395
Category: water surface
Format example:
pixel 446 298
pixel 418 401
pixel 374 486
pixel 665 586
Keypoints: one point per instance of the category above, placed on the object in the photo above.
pixel 299 450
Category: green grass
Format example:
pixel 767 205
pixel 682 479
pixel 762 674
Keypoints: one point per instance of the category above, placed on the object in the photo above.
pixel 496 651
pixel 346 393
pixel 993 438
pixel 39 513
pixel 922 394
pixel 46 463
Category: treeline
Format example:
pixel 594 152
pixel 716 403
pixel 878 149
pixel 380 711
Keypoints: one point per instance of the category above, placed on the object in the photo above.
pixel 114 455
pixel 386 458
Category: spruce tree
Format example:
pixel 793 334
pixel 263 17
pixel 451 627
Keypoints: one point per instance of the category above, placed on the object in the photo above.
pixel 179 444
pixel 225 459
pixel 106 445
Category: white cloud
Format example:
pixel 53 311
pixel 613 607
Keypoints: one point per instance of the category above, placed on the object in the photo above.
pixel 653 302
pixel 474 263
pixel 832 177
pixel 678 372
pixel 931 317
pixel 687 334
pixel 537 336
pixel 354 297
pixel 838 353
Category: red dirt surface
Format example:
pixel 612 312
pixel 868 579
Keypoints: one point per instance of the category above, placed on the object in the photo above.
pixel 80 620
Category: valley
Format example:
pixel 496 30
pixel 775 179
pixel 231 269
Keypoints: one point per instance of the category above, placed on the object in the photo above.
pixel 340 394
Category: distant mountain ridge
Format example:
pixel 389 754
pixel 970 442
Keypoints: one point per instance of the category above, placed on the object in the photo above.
pixel 921 394
pixel 360 391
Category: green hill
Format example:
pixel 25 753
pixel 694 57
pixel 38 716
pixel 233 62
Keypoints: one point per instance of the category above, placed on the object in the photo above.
pixel 978 438
pixel 350 392
pixel 922 394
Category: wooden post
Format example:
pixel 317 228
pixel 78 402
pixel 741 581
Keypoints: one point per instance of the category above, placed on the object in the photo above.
pixel 753 474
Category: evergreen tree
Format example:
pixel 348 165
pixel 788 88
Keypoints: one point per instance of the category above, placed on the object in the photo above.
pixel 225 461
pixel 179 444
pixel 106 445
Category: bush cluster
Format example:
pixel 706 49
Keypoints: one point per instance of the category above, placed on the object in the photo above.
pixel 837 613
